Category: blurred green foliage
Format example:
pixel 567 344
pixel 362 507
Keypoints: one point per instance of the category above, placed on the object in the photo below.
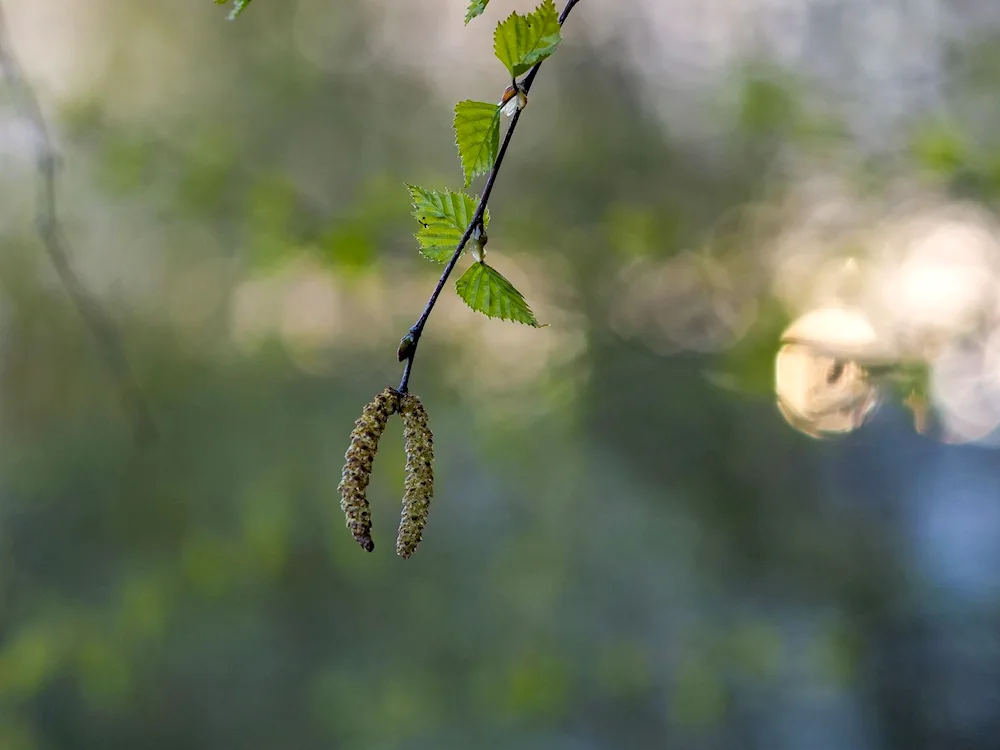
pixel 620 552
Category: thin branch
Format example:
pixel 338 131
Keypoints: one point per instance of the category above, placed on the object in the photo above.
pixel 418 328
pixel 56 245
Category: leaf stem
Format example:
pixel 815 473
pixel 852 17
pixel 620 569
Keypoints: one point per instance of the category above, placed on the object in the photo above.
pixel 418 328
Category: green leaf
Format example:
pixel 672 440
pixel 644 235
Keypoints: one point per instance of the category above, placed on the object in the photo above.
pixel 486 291
pixel 522 41
pixel 477 135
pixel 476 8
pixel 443 218
pixel 238 7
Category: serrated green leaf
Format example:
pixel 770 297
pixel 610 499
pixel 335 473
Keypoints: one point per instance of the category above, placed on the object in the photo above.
pixel 486 291
pixel 476 8
pixel 238 7
pixel 477 135
pixel 443 219
pixel 522 41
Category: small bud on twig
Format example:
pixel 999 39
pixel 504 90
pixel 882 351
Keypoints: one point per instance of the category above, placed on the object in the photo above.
pixel 477 243
pixel 514 99
pixel 406 346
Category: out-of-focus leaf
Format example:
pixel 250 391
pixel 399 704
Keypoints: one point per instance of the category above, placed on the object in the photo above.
pixel 126 164
pixel 767 106
pixel 28 658
pixel 522 41
pixel 941 149
pixel 351 240
pixel 270 211
pixel 477 135
pixel 486 291
pixel 538 686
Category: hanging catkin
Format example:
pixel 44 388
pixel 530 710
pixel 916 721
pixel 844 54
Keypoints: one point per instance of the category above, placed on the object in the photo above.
pixel 419 487
pixel 358 465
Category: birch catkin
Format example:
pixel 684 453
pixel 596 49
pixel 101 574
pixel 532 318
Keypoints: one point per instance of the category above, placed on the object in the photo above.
pixel 419 475
pixel 358 465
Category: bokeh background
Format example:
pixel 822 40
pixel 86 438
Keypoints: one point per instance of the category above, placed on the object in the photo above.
pixel 631 545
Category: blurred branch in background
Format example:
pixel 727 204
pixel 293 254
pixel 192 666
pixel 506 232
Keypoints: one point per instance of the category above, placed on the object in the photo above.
pixel 56 246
